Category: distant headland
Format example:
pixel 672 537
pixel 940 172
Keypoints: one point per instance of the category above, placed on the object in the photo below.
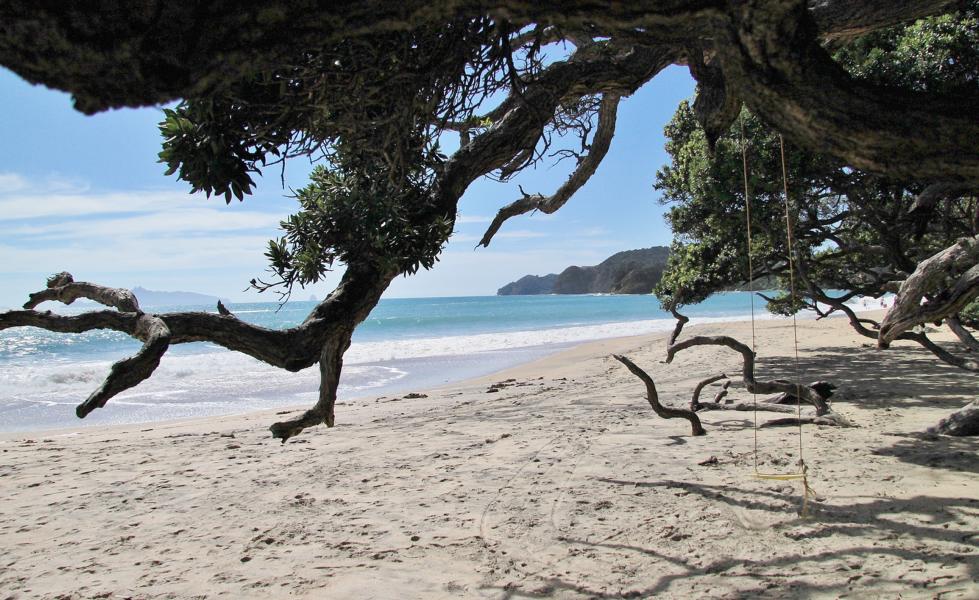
pixel 628 272
pixel 155 298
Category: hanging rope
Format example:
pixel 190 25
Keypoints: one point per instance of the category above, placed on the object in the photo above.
pixel 803 469
pixel 790 251
pixel 751 275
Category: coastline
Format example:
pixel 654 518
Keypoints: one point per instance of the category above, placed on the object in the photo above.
pixel 562 483
pixel 213 384
pixel 429 377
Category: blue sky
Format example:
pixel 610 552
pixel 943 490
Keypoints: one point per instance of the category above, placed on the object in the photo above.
pixel 87 195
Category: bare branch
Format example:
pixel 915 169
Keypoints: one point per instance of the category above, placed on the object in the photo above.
pixel 695 399
pixel 832 419
pixel 102 319
pixel 721 392
pixel 131 371
pixel 653 398
pixel 585 169
pixel 749 407
pixel 964 335
pixel 748 372
pixel 62 287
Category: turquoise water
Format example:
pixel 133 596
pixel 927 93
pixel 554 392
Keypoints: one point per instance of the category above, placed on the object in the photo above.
pixel 392 319
pixel 404 344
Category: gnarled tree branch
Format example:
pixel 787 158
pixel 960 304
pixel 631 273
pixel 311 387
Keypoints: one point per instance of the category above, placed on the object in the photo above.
pixel 131 371
pixel 715 106
pixel 62 287
pixel 748 370
pixel 695 399
pixel 653 397
pixel 964 335
pixel 925 296
pixel 771 55
pixel 582 173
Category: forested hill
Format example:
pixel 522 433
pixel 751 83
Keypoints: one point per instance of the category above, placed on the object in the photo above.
pixel 629 272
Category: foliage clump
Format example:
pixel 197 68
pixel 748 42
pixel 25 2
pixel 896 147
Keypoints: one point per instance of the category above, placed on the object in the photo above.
pixel 352 211
pixel 852 230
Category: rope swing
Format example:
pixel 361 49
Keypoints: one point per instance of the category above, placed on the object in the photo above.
pixel 803 469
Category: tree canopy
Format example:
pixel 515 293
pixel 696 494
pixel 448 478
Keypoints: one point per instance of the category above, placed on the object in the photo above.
pixel 852 230
pixel 369 88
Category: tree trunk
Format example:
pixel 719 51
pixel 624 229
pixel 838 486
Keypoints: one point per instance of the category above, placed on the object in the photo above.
pixel 927 296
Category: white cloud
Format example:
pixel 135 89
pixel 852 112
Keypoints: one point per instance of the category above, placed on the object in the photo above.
pixel 56 225
pixel 186 221
pixel 44 205
pixel 467 219
pixel 463 238
pixel 11 182
pixel 136 254
pixel 519 234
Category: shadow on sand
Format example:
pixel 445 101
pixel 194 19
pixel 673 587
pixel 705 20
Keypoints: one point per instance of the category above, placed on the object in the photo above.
pixel 917 525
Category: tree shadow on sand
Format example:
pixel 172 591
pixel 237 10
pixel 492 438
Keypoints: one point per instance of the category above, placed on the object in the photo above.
pixel 918 528
pixel 933 451
pixel 898 377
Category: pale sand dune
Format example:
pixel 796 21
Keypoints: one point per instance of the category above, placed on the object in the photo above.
pixel 562 484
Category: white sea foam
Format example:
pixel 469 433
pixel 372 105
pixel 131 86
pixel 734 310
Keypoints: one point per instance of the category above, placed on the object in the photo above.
pixel 366 352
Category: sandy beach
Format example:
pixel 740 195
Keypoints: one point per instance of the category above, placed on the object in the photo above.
pixel 550 480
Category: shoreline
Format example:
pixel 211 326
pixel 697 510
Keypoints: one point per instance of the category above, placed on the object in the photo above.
pixel 428 375
pixel 546 355
pixel 561 483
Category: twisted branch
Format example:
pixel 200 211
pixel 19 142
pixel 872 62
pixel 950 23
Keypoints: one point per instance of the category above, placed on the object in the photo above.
pixel 928 282
pixel 586 168
pixel 652 396
pixel 965 336
pixel 695 400
pixel 62 287
pixel 129 372
pixel 748 370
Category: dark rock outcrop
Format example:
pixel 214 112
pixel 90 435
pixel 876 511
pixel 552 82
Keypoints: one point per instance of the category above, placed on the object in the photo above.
pixel 629 272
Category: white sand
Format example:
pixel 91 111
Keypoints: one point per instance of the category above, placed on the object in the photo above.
pixel 562 484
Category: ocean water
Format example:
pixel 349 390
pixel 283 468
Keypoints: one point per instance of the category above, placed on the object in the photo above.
pixel 405 344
